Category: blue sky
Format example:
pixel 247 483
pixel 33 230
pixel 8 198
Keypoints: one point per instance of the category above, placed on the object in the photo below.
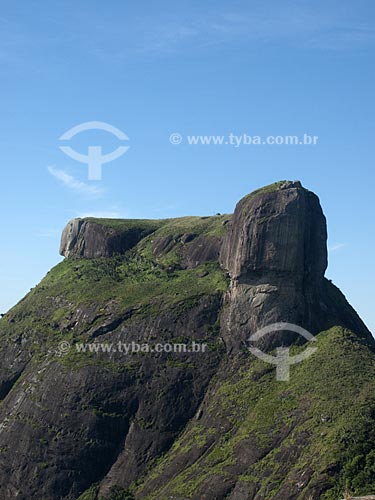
pixel 209 67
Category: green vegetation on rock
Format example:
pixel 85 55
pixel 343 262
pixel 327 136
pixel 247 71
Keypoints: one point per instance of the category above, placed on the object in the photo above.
pixel 319 416
pixel 157 425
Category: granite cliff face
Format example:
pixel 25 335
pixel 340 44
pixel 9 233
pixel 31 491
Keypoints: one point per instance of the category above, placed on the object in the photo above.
pixel 276 254
pixel 90 239
pixel 278 230
pixel 90 423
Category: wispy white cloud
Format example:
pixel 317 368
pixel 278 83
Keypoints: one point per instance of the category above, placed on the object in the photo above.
pixel 298 24
pixel 74 184
pixel 327 25
pixel 335 247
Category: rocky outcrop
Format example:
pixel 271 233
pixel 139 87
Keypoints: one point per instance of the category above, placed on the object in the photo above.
pixel 191 249
pixel 276 254
pixel 90 239
pixel 278 230
pixel 211 425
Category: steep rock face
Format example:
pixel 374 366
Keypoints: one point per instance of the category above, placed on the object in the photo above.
pixel 90 239
pixel 191 249
pixel 211 425
pixel 109 415
pixel 278 230
pixel 276 254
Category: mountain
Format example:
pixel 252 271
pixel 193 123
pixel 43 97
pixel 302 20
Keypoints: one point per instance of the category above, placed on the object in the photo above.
pixel 96 402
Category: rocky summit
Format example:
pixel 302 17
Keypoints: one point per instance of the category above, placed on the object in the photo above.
pixel 97 403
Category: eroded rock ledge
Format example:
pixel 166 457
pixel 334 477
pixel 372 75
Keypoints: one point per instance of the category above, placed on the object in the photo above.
pixel 213 425
pixel 92 238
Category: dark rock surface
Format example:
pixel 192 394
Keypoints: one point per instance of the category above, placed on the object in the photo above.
pixel 192 249
pixel 277 231
pixel 209 425
pixel 276 255
pixel 90 239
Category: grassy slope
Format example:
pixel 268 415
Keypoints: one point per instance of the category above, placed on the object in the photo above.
pixel 136 279
pixel 330 400
pixel 336 387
